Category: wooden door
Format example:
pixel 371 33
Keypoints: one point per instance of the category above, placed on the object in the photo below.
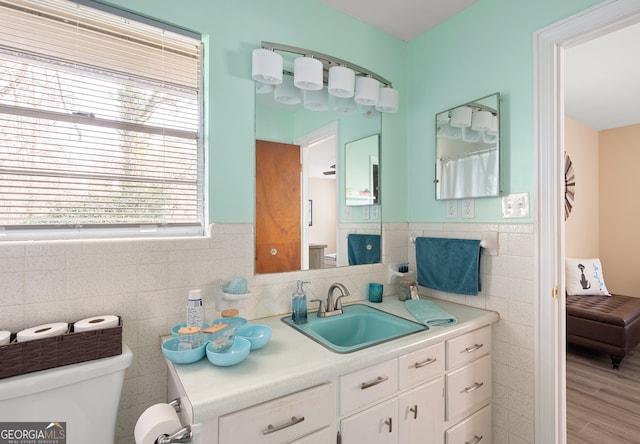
pixel 278 225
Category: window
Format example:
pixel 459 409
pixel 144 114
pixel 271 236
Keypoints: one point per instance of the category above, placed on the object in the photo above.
pixel 100 121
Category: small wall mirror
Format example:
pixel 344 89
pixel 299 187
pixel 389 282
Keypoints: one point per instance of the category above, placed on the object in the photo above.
pixel 468 150
pixel 362 177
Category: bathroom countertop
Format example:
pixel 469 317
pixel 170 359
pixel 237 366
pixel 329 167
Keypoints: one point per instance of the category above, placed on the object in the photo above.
pixel 291 362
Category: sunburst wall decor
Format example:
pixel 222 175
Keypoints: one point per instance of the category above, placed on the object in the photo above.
pixel 569 186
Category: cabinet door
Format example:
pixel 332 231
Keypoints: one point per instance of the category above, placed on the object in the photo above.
pixel 375 425
pixel 324 436
pixel 421 414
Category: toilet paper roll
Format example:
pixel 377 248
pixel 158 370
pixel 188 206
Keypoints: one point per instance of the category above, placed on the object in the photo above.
pixel 96 323
pixel 159 419
pixel 42 331
pixel 5 336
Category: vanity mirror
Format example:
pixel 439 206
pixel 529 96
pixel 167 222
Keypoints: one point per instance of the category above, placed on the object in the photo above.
pixel 334 142
pixel 468 150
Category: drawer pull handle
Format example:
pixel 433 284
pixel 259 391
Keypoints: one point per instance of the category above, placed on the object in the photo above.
pixel 472 349
pixel 271 428
pixel 473 388
pixel 476 439
pixel 378 380
pixel 425 362
pixel 414 410
pixel 390 424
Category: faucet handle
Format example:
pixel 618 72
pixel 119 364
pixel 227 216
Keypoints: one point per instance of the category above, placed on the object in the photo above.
pixel 321 308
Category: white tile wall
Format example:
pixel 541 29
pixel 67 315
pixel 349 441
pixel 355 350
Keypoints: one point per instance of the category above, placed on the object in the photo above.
pixel 147 281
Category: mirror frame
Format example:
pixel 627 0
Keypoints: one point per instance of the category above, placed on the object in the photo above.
pixel 478 142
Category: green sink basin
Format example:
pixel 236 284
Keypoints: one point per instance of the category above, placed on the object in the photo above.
pixel 358 327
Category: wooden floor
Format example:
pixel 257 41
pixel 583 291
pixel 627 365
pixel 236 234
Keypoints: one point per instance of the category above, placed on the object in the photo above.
pixel 603 405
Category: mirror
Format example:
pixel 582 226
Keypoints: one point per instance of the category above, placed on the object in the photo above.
pixel 312 236
pixel 362 166
pixel 468 150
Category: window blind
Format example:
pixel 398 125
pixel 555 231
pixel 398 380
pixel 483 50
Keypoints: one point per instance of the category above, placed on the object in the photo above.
pixel 100 119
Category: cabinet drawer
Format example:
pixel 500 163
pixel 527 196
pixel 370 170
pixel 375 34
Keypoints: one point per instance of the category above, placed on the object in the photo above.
pixel 476 429
pixel 368 385
pixel 420 366
pixel 470 346
pixel 468 388
pixel 273 421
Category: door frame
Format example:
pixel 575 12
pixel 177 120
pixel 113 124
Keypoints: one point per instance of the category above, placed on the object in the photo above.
pixel 549 311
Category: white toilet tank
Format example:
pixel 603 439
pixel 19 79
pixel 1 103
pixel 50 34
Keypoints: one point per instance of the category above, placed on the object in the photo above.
pixel 85 396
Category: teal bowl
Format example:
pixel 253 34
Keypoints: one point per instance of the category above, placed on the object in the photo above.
pixel 170 349
pixel 175 328
pixel 232 356
pixel 257 335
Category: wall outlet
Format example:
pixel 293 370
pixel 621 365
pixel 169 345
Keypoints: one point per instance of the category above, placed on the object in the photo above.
pixel 515 206
pixel 365 212
pixel 347 213
pixel 375 212
pixel 452 209
pixel 468 209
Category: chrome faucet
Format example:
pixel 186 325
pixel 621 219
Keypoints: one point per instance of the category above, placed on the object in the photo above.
pixel 332 308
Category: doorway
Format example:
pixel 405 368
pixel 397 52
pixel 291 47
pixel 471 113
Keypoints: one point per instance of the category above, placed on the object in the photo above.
pixel 550 352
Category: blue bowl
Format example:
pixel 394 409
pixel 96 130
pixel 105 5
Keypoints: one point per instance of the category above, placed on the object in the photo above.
pixel 232 356
pixel 175 328
pixel 170 348
pixel 257 335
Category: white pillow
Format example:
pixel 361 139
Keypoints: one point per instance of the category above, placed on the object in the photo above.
pixel 584 277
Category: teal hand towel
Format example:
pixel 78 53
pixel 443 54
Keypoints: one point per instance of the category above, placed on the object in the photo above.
pixel 451 265
pixel 363 249
pixel 429 313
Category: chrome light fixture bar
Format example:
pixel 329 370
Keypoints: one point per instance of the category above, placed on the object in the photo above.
pixel 327 60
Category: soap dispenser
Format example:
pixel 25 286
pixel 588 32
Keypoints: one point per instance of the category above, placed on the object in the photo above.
pixel 299 304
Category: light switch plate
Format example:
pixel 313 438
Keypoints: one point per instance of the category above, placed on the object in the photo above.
pixel 452 209
pixel 515 206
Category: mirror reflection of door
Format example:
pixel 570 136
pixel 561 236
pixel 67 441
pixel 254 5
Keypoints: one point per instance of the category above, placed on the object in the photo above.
pixel 278 218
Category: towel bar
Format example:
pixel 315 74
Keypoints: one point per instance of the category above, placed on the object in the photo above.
pixel 489 242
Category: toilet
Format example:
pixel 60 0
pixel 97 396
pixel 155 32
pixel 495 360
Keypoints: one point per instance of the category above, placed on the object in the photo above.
pixel 85 396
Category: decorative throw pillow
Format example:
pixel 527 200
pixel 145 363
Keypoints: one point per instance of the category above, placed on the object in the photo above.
pixel 584 277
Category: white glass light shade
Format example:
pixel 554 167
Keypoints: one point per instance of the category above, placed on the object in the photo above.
pixel 341 81
pixel 369 111
pixel 307 73
pixel 263 88
pixel 367 91
pixel 471 135
pixel 316 100
pixel 461 117
pixel 481 121
pixel 494 125
pixel 287 93
pixel 442 118
pixel 344 105
pixel 388 100
pixel 266 66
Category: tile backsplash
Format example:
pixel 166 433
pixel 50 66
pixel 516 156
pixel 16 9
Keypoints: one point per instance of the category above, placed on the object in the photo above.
pixel 147 282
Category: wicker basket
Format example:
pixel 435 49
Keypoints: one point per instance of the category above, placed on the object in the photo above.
pixel 18 358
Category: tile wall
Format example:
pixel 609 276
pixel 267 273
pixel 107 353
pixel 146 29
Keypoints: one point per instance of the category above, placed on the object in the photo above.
pixel 147 281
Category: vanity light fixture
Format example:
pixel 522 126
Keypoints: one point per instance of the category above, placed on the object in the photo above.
pixel 344 105
pixel 286 93
pixel 461 117
pixel 316 100
pixel 481 120
pixel 312 71
pixel 307 73
pixel 266 66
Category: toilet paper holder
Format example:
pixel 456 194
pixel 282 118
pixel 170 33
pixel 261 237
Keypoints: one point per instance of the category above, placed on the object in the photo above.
pixel 183 435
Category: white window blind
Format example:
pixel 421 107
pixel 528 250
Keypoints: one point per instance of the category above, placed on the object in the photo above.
pixel 100 119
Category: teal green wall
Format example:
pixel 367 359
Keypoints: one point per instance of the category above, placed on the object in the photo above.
pixel 486 48
pixel 234 28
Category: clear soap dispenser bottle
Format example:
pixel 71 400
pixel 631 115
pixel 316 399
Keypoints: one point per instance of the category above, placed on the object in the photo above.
pixel 299 304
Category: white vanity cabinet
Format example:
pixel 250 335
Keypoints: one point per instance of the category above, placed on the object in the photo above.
pixel 292 418
pixel 398 401
pixel 469 388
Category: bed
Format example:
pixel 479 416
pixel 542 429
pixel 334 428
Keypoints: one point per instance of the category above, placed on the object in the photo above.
pixel 609 324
